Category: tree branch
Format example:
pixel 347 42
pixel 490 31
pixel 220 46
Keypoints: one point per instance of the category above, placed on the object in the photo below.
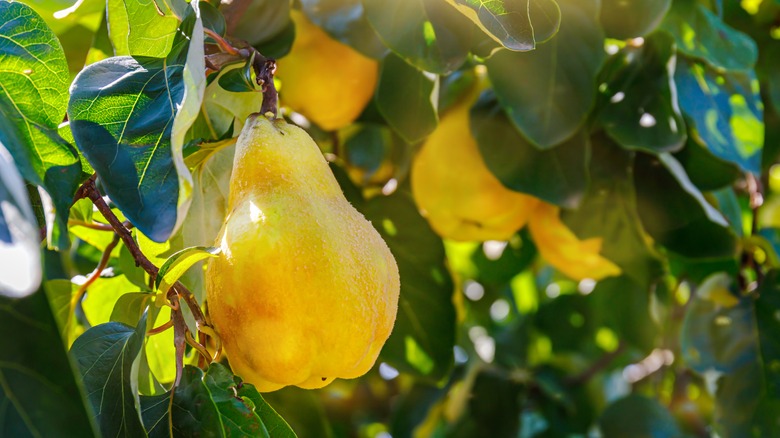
pixel 596 367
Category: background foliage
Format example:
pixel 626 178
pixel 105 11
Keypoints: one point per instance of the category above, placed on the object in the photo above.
pixel 653 124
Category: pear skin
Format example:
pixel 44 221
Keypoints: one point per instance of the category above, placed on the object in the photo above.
pixel 328 82
pixel 457 193
pixel 305 290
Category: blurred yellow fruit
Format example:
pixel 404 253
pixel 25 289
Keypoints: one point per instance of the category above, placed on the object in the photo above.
pixel 327 81
pixel 305 290
pixel 464 201
pixel 578 259
pixel 458 194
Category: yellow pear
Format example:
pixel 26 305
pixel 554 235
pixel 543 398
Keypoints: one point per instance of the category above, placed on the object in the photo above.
pixel 457 193
pixel 327 81
pixel 464 201
pixel 305 289
pixel 578 259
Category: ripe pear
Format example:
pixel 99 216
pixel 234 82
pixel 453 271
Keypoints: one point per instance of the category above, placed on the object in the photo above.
pixel 458 194
pixel 328 82
pixel 305 290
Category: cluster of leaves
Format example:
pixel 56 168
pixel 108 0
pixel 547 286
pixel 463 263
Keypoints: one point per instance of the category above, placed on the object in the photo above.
pixel 652 122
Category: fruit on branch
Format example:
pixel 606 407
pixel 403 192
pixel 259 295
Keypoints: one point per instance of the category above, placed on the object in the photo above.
pixel 305 290
pixel 327 81
pixel 464 201
pixel 451 183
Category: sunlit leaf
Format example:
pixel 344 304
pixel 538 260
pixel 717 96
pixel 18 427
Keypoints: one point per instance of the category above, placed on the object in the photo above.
pixel 132 130
pixel 141 27
pixel 702 34
pixel 726 110
pixel 516 25
pixel 34 81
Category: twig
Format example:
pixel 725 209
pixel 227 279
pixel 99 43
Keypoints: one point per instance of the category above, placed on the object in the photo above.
pixel 177 291
pixel 602 363
pixel 95 274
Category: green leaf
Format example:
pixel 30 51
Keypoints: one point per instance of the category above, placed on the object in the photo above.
pixel 238 79
pixel 257 22
pixel 715 336
pixel 634 323
pixel 302 409
pixel 19 234
pixel 431 36
pixel 638 416
pixel 706 171
pixel 674 212
pixel 558 175
pixel 276 425
pixel 129 117
pixel 517 26
pixel 638 105
pixel 346 21
pixel 141 27
pixel 609 211
pixel 551 98
pixel 424 333
pixel 130 307
pixel 34 82
pixel 178 263
pixel 105 355
pixel 623 19
pixel 39 394
pixel 405 97
pixel 701 34
pixel 211 404
pixel 102 296
pixel 726 110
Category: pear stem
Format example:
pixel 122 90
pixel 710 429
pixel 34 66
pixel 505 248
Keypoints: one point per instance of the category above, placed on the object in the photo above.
pixel 264 68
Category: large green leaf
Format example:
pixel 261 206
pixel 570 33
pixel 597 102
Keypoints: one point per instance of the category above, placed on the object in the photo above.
pixel 346 21
pixel 214 404
pixel 19 236
pixel 141 27
pixel 638 416
pixel 105 355
pixel 405 98
pixel 516 25
pixel 33 97
pixel 702 34
pixel 632 18
pixel 39 394
pixel 609 211
pixel 558 175
pixel 726 110
pixel 129 117
pixel 548 93
pixel 424 332
pixel 430 35
pixel 674 212
pixel 638 98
